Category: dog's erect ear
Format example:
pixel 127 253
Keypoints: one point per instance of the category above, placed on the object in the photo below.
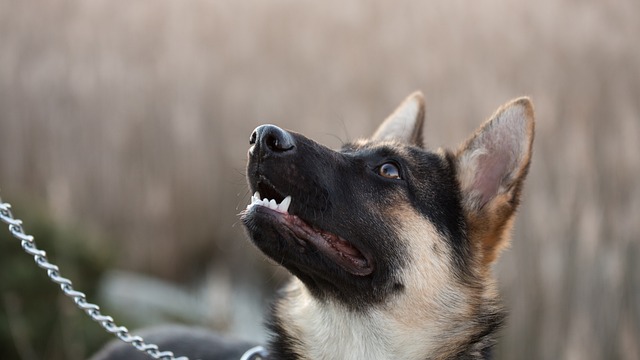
pixel 405 123
pixel 491 167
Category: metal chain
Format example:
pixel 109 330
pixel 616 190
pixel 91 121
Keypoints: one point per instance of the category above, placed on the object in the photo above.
pixel 40 257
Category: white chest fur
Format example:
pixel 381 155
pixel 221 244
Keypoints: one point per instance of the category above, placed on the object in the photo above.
pixel 329 332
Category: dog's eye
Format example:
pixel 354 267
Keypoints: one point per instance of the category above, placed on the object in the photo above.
pixel 389 170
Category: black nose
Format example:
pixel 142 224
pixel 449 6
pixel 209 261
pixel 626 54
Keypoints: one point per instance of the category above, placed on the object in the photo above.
pixel 270 139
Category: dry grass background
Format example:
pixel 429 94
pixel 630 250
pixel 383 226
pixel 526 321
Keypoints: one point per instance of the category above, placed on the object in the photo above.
pixel 133 118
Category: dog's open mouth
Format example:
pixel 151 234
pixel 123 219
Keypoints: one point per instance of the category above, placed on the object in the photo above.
pixel 339 250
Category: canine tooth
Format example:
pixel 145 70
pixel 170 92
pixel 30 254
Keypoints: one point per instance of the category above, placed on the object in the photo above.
pixel 273 204
pixel 284 205
pixel 257 195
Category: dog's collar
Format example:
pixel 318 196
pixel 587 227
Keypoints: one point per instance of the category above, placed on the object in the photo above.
pixel 255 353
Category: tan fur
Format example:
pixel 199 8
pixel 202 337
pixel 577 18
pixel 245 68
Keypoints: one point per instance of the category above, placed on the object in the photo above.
pixel 434 302
pixel 409 325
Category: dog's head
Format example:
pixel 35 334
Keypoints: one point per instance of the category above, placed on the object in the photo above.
pixel 384 218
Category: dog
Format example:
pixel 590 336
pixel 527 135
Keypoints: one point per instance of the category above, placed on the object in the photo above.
pixel 390 245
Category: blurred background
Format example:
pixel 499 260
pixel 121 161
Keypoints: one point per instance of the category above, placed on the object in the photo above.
pixel 124 128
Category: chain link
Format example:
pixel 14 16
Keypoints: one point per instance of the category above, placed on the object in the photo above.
pixel 255 353
pixel 107 322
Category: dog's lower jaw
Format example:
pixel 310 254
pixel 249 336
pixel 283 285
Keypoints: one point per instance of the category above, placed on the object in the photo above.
pixel 305 328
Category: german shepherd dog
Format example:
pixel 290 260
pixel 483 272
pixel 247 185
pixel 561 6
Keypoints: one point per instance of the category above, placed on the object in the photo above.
pixel 390 245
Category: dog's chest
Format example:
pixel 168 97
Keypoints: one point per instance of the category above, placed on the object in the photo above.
pixel 330 332
pixel 340 336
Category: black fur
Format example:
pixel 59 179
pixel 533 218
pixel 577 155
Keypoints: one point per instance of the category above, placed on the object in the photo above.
pixel 337 192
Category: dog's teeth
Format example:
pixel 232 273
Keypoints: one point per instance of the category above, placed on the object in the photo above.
pixel 284 205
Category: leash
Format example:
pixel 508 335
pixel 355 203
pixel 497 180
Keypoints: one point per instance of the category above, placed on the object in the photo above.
pixel 40 257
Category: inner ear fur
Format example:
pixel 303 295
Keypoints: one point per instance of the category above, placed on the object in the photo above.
pixel 491 166
pixel 405 123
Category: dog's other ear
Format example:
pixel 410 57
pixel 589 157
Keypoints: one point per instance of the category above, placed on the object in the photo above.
pixel 491 167
pixel 405 123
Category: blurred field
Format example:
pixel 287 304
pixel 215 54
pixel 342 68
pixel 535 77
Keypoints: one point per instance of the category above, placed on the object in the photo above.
pixel 132 119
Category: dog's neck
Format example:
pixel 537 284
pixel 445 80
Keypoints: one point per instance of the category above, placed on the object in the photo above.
pixel 305 328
